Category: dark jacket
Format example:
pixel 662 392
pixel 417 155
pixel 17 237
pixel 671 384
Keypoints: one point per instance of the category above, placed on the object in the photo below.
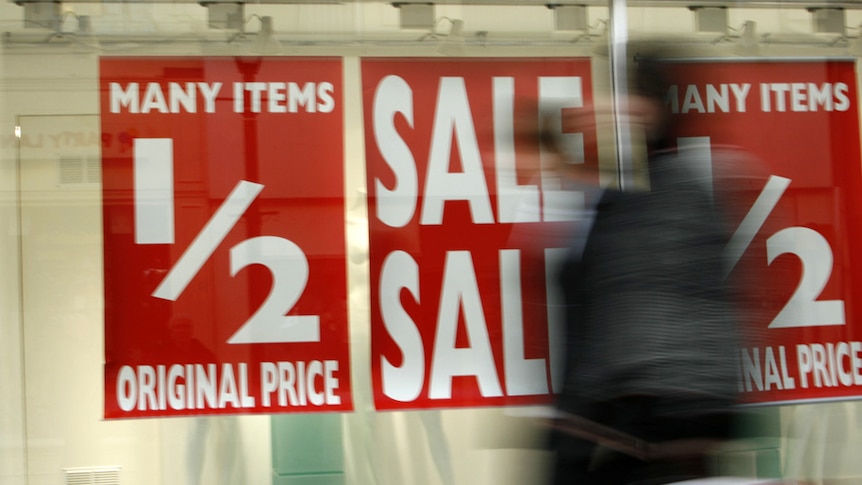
pixel 648 309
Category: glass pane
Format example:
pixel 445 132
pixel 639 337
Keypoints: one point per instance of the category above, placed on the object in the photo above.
pixel 731 66
pixel 53 329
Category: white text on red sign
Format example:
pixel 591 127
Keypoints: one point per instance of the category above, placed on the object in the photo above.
pixel 460 290
pixel 253 97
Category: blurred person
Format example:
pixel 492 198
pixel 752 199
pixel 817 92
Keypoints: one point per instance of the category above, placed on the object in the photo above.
pixel 650 379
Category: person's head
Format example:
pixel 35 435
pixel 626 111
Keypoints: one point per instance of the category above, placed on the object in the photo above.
pixel 650 81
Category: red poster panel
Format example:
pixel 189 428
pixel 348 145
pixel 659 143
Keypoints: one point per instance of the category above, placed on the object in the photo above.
pixel 224 243
pixel 462 225
pixel 799 119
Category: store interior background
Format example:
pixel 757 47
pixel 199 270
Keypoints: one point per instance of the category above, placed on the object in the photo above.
pixel 51 295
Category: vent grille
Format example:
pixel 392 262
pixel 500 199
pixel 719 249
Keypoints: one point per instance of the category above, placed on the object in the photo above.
pixel 105 475
pixel 79 170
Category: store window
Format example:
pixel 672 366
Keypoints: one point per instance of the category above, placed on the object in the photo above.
pixel 372 170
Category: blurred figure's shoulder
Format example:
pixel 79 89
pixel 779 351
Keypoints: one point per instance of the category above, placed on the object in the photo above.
pixel 726 171
pixel 736 164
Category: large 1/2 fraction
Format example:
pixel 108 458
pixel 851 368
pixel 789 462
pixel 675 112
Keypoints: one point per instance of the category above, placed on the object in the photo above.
pixel 154 224
pixel 813 250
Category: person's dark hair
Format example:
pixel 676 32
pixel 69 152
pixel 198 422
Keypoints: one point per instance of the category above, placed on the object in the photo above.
pixel 651 78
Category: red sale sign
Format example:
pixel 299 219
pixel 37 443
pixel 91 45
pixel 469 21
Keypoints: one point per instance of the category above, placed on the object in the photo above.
pixel 224 243
pixel 462 305
pixel 797 232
